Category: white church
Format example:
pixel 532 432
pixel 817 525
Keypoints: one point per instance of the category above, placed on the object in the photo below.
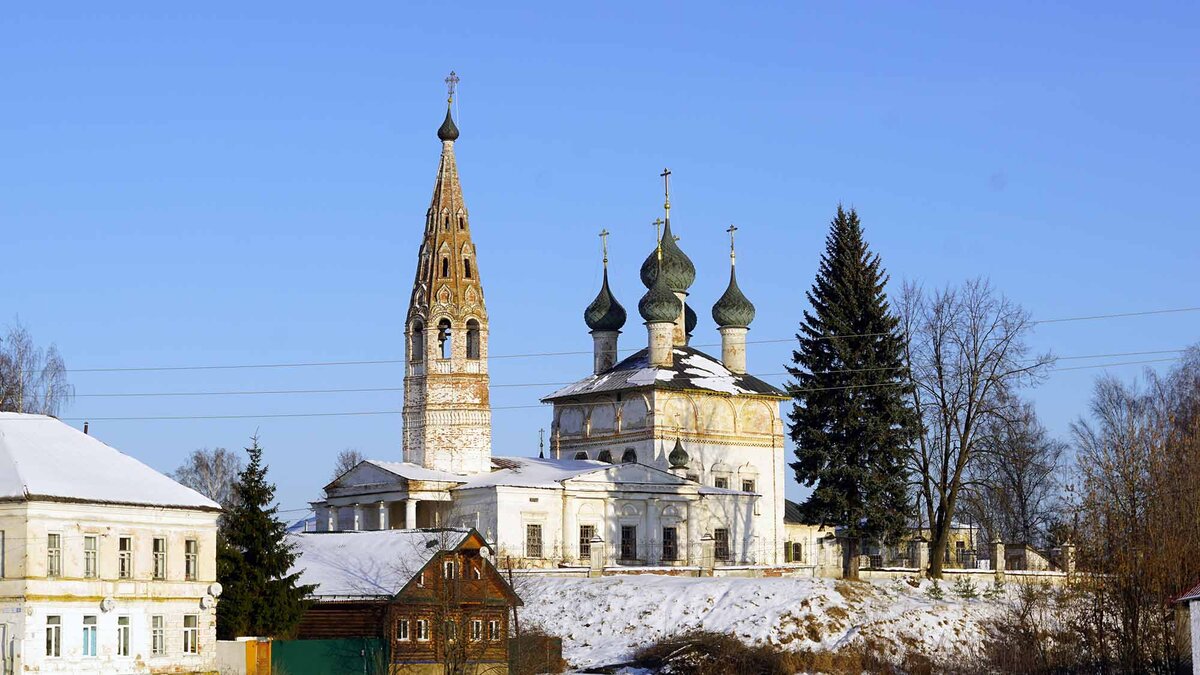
pixel 650 455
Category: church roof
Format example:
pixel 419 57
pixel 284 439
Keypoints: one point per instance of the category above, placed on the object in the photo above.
pixel 374 564
pixel 536 472
pixel 417 472
pixel 43 458
pixel 691 369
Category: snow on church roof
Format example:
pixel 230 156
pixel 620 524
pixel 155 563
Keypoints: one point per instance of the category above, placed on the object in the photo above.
pixel 367 564
pixel 41 457
pixel 417 472
pixel 534 472
pixel 691 369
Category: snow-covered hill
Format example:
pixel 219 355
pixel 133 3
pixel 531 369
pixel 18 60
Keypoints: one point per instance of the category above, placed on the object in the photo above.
pixel 604 621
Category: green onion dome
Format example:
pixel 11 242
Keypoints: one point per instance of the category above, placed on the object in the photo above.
pixel 448 131
pixel 605 313
pixel 676 266
pixel 659 304
pixel 689 319
pixel 678 457
pixel 733 309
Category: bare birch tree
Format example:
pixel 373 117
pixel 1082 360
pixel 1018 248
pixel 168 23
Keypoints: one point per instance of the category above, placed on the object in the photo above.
pixel 967 354
pixel 347 459
pixel 212 473
pixel 32 379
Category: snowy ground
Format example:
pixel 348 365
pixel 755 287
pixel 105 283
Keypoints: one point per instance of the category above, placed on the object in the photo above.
pixel 604 621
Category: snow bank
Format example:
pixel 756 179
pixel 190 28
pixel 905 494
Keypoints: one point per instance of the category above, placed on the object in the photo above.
pixel 604 621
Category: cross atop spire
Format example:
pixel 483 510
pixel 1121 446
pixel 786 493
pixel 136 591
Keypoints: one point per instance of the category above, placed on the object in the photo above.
pixel 451 85
pixel 604 245
pixel 732 254
pixel 666 176
pixel 658 223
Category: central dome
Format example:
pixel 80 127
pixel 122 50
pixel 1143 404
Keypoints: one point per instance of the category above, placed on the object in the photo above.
pixel 677 268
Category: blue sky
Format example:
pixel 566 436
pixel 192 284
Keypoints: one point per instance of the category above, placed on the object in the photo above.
pixel 226 184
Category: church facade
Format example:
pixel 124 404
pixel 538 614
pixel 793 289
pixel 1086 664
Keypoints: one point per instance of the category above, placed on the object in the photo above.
pixel 655 458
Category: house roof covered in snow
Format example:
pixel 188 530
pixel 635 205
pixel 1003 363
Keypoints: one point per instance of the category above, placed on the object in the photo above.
pixel 371 564
pixel 536 472
pixel 44 458
pixel 691 370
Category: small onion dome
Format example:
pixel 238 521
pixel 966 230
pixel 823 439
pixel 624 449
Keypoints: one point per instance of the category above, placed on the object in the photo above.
pixel 659 304
pixel 676 266
pixel 678 457
pixel 733 309
pixel 689 319
pixel 448 131
pixel 605 313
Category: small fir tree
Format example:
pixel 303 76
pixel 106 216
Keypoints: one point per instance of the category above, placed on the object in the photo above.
pixel 851 421
pixel 260 597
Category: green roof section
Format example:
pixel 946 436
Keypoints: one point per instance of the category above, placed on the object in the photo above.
pixel 448 131
pixel 733 309
pixel 605 313
pixel 676 266
pixel 659 304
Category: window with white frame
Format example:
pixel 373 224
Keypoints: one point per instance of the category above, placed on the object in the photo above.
pixel 670 544
pixel 160 558
pixel 421 578
pixel 747 485
pixel 402 630
pixel 191 559
pixel 89 635
pixel 125 557
pixel 422 630
pixel 721 482
pixel 191 634
pixel 53 554
pixel 448 569
pixel 122 636
pixel 494 630
pixel 533 541
pixel 158 635
pixel 90 569
pixel 628 542
pixel 721 544
pixel 476 630
pixel 54 636
pixel 477 571
pixel 586 533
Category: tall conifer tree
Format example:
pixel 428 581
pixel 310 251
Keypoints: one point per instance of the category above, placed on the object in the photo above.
pixel 851 421
pixel 259 598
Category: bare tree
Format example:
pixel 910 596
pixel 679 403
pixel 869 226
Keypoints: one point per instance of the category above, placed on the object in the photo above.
pixel 967 355
pixel 212 473
pixel 1013 485
pixel 346 459
pixel 32 379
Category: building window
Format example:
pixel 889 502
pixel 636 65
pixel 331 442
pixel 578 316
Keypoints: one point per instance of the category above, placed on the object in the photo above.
pixel 191 559
pixel 629 456
pixel 473 344
pixel 122 636
pixel 628 542
pixel 533 541
pixel 448 569
pixel 476 630
pixel 605 456
pixel 421 579
pixel 422 630
pixel 191 634
pixel 54 636
pixel 445 267
pixel 586 533
pixel 444 338
pixel 158 636
pixel 581 455
pixel 467 267
pixel 721 544
pixel 402 630
pixel 797 552
pixel 89 635
pixel 721 482
pixel 125 557
pixel 449 630
pixel 462 223
pixel 418 343
pixel 90 570
pixel 670 544
pixel 747 485
pixel 53 555
pixel 160 558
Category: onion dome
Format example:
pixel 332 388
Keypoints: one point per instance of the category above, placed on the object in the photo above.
pixel 733 309
pixel 676 266
pixel 605 313
pixel 659 304
pixel 448 131
pixel 678 457
pixel 689 319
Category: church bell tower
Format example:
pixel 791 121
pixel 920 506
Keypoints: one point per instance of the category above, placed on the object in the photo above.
pixel 447 415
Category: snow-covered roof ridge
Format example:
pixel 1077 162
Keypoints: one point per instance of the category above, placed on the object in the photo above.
pixel 417 472
pixel 44 458
pixel 368 564
pixel 535 472
pixel 691 369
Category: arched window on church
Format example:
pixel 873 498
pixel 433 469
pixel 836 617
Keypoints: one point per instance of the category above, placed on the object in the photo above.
pixel 467 267
pixel 445 267
pixel 629 456
pixel 581 455
pixel 446 223
pixel 605 456
pixel 462 223
pixel 417 343
pixel 473 339
pixel 444 338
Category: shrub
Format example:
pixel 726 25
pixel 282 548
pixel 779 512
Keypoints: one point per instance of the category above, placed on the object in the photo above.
pixel 935 590
pixel 965 588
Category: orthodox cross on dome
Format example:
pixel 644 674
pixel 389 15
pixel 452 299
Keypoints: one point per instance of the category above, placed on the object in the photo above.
pixel 732 255
pixel 658 223
pixel 604 245
pixel 451 85
pixel 541 443
pixel 666 176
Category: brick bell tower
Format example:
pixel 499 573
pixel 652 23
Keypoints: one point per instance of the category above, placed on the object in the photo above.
pixel 447 414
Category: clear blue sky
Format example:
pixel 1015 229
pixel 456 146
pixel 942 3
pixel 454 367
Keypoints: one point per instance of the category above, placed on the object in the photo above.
pixel 223 184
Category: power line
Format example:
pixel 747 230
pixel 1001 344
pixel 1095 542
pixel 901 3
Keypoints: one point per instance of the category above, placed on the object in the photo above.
pixel 563 353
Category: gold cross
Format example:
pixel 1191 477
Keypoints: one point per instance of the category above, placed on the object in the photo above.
pixel 451 85
pixel 732 255
pixel 604 245
pixel 658 235
pixel 666 176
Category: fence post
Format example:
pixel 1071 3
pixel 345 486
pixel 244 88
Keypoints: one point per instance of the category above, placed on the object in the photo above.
pixel 708 555
pixel 998 559
pixel 922 555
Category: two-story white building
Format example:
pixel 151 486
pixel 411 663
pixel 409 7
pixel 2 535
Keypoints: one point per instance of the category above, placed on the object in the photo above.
pixel 106 566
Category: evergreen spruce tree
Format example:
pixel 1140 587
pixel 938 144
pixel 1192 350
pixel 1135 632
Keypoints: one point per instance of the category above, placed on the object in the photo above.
pixel 259 598
pixel 851 421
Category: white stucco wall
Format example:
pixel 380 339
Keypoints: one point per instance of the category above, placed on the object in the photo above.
pixel 1194 611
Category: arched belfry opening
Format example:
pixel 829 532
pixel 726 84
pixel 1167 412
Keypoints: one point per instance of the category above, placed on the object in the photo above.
pixel 473 347
pixel 445 341
pixel 416 343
